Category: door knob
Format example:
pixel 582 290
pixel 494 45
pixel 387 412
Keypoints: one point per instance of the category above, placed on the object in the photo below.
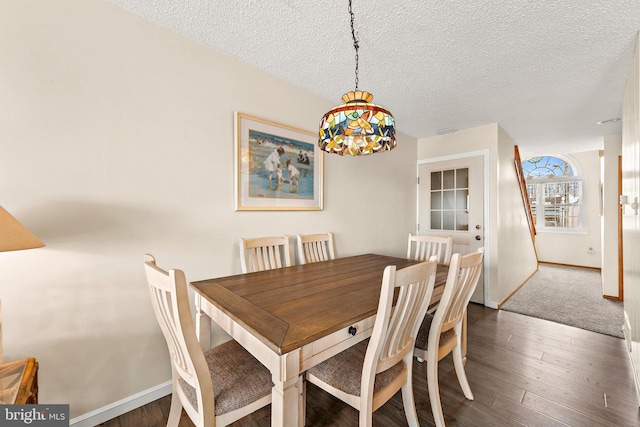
pixel 478 237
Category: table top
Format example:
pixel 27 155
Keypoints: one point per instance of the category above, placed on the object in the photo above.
pixel 290 307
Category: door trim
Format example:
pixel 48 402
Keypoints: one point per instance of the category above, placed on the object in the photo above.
pixel 488 302
pixel 620 233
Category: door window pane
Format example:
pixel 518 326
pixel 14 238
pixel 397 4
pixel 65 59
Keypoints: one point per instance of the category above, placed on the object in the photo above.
pixel 450 199
pixel 436 200
pixel 462 220
pixel 449 179
pixel 436 180
pixel 462 199
pixel 436 220
pixel 462 178
pixel 448 220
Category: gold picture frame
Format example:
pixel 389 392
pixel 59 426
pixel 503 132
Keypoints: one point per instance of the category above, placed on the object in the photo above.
pixel 278 167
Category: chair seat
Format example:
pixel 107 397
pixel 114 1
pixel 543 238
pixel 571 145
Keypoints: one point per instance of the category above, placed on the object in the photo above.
pixel 422 339
pixel 344 370
pixel 238 378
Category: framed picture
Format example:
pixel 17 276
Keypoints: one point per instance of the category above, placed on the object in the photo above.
pixel 278 167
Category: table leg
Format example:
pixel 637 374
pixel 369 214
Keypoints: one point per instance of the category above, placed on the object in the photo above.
pixel 302 400
pixel 285 396
pixel 203 325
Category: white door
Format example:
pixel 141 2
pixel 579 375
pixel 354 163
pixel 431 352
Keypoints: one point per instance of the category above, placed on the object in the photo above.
pixel 451 203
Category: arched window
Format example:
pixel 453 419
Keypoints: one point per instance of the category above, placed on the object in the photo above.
pixel 555 193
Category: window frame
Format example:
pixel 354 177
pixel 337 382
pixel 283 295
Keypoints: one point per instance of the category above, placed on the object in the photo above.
pixel 541 206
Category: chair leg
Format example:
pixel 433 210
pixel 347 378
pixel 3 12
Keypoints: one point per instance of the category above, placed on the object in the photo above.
pixel 365 408
pixel 434 390
pixel 365 419
pixel 409 404
pixel 176 410
pixel 458 363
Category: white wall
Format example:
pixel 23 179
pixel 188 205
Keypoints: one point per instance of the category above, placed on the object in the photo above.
pixel 609 219
pixel 516 253
pixel 580 248
pixel 510 252
pixel 116 139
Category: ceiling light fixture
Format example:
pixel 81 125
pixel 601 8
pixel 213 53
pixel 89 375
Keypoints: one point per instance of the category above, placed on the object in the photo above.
pixel 357 127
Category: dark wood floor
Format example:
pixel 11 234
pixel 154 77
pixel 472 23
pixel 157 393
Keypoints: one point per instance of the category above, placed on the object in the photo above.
pixel 523 372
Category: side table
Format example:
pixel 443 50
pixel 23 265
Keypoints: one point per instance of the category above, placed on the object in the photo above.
pixel 19 382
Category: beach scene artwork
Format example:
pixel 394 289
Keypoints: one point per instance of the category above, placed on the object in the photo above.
pixel 294 179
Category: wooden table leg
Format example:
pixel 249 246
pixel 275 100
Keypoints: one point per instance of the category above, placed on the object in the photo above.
pixel 285 396
pixel 302 400
pixel 203 325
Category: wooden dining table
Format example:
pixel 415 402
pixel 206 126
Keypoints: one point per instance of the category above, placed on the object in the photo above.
pixel 293 318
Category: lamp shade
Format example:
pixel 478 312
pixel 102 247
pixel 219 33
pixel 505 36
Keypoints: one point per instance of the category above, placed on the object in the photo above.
pixel 357 127
pixel 14 236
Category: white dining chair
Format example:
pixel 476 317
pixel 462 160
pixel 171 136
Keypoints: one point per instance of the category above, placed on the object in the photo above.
pixel 368 374
pixel 425 247
pixel 215 387
pixel 441 333
pixel 264 253
pixel 315 247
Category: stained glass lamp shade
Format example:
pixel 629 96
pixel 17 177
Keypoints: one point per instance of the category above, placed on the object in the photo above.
pixel 357 127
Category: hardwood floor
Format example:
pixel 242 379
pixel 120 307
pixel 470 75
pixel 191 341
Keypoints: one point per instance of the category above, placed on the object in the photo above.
pixel 523 372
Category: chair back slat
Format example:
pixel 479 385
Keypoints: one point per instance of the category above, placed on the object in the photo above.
pixel 315 247
pixel 430 248
pixel 264 253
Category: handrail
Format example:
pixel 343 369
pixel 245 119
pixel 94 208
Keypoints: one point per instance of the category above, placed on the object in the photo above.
pixel 523 192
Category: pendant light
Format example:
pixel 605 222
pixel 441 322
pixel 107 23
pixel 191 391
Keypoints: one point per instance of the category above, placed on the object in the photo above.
pixel 357 127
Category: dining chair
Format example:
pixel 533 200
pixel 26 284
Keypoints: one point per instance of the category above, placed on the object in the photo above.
pixel 215 387
pixel 368 374
pixel 441 333
pixel 425 247
pixel 315 247
pixel 264 253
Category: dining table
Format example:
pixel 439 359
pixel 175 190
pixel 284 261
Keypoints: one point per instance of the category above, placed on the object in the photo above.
pixel 293 318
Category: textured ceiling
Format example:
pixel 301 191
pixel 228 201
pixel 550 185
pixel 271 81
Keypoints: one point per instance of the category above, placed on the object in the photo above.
pixel 546 71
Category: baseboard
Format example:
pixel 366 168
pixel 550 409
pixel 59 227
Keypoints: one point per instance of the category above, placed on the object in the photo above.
pixel 501 303
pixel 123 406
pixel 569 265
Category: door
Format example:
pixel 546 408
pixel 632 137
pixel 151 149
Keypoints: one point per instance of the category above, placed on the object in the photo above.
pixel 451 203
